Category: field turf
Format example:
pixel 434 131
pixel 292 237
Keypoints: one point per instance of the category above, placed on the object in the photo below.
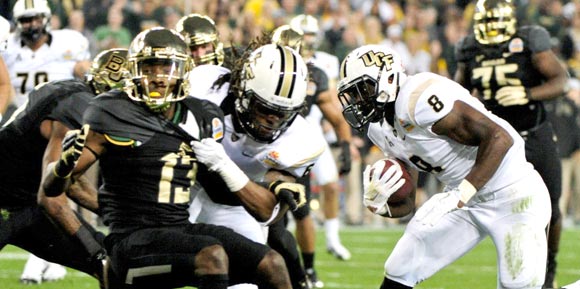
pixel 369 248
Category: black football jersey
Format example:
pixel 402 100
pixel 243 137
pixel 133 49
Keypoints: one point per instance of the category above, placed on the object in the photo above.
pixel 317 83
pixel 149 166
pixel 21 144
pixel 488 68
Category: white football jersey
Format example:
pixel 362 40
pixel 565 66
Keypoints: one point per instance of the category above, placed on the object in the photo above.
pixel 424 99
pixel 201 80
pixel 327 62
pixel 295 152
pixel 50 62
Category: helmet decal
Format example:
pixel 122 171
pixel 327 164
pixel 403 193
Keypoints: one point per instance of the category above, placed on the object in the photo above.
pixel 287 73
pixel 378 59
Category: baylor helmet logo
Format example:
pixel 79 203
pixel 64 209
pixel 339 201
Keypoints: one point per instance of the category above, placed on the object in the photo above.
pixel 378 59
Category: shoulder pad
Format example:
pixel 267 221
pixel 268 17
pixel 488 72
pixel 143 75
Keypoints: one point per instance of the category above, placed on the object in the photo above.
pixel 535 37
pixel 465 48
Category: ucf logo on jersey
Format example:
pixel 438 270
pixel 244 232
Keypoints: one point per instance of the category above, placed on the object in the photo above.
pixel 378 59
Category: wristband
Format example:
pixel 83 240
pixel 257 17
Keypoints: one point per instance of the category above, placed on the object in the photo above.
pixel 466 191
pixel 233 176
pixel 56 170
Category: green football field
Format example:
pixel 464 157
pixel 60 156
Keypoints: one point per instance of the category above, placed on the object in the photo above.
pixel 369 248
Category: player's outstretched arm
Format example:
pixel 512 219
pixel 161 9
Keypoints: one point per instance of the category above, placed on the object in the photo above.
pixel 57 207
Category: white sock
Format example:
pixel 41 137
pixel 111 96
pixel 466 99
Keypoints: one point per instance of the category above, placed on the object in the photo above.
pixel 331 231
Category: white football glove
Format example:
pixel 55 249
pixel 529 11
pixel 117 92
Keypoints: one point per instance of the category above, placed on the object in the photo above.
pixel 437 206
pixel 212 154
pixel 377 189
pixel 512 95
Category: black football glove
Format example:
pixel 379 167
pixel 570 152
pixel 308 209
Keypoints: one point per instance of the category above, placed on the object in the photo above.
pixel 345 159
pixel 292 194
pixel 72 148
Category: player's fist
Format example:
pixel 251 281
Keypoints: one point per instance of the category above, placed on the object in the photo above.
pixel 512 95
pixel 72 148
pixel 211 153
pixel 292 194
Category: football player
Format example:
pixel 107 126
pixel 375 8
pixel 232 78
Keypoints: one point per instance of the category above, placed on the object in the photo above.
pixel 39 55
pixel 31 139
pixel 513 70
pixel 153 142
pixel 265 135
pixel 202 36
pixel 434 125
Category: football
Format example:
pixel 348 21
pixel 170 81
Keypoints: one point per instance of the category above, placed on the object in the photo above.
pixel 402 193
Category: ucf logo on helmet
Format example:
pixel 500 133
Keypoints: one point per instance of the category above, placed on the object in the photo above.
pixel 378 59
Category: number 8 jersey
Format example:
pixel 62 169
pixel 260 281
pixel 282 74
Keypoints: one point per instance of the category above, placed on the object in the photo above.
pixel 424 99
pixel 54 60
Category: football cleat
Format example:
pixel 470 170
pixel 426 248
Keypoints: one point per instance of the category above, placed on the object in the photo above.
pixel 312 279
pixel 575 285
pixel 339 251
pixel 53 272
pixel 33 269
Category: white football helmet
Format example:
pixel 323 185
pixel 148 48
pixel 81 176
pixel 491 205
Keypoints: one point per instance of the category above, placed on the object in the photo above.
pixel 158 54
pixel 24 10
pixel 308 25
pixel 370 77
pixel 273 93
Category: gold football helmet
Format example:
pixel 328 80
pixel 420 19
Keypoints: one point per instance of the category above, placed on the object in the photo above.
pixel 107 70
pixel 200 30
pixel 287 36
pixel 494 21
pixel 158 59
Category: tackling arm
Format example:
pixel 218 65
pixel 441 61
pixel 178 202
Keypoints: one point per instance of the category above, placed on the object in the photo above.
pixel 259 201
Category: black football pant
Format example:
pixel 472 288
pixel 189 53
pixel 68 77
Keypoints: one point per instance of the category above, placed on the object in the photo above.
pixel 30 229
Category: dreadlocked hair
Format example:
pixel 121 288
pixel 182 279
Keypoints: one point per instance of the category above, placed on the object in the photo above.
pixel 239 59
